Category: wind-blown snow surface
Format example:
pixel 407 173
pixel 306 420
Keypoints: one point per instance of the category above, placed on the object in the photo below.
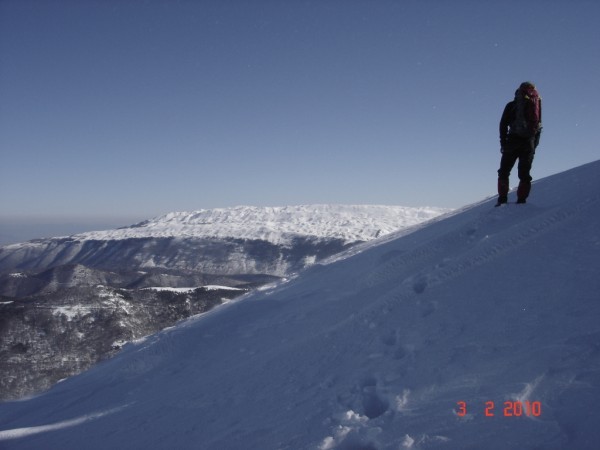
pixel 373 351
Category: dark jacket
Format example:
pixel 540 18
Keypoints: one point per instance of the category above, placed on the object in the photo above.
pixel 508 117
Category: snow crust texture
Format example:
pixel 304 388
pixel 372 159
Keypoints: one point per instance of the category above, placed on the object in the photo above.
pixel 477 331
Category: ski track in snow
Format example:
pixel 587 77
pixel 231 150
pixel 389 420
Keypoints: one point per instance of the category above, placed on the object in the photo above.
pixel 30 431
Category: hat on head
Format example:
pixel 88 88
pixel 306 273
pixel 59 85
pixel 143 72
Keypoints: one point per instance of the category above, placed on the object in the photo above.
pixel 527 85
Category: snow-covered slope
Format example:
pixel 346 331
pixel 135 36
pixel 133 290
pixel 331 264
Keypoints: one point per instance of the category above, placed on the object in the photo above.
pixel 478 331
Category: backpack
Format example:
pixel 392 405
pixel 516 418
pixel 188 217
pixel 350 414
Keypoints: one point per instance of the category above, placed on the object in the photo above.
pixel 528 111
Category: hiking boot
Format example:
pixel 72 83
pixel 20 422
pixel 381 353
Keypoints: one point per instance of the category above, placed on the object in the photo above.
pixel 523 191
pixel 502 201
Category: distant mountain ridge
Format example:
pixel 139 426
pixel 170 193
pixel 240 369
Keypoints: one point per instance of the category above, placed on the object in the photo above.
pixel 254 240
pixel 350 223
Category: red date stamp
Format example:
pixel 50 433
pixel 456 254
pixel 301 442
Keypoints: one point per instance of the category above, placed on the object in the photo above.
pixel 509 408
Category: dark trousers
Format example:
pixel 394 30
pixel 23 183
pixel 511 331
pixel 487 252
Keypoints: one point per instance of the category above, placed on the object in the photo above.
pixel 521 149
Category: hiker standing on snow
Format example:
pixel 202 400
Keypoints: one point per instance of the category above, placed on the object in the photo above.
pixel 520 129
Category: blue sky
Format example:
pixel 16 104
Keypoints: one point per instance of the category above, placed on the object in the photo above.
pixel 125 110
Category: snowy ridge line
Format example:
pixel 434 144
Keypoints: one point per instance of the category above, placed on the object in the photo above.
pixel 208 287
pixel 278 225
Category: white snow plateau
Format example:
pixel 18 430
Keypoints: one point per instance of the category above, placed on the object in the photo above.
pixel 350 223
pixel 480 330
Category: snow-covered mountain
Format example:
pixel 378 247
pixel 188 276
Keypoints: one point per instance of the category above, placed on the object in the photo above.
pixel 477 331
pixel 277 225
pixel 242 247
pixel 249 240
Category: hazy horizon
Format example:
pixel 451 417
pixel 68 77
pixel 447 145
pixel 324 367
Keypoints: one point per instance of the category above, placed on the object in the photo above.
pixel 22 228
